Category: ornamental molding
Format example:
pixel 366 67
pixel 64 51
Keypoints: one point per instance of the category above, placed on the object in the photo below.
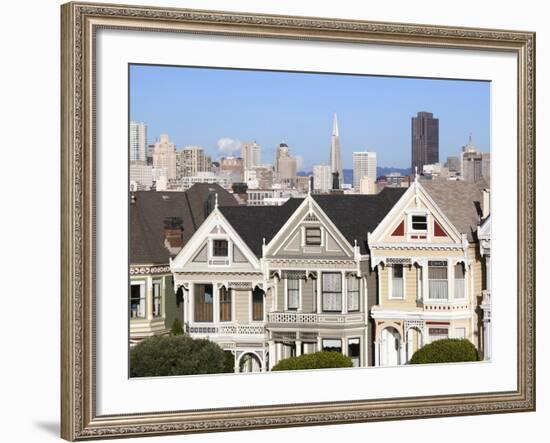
pixel 149 270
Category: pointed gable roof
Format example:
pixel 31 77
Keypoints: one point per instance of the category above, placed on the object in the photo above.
pixel 150 210
pixel 357 214
pixel 460 201
pixel 254 223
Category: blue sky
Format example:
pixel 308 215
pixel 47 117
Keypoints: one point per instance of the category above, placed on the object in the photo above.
pixel 197 106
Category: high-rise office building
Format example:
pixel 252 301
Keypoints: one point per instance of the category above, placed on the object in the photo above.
pixel 453 163
pixel 138 142
pixel 285 164
pixel 425 141
pixel 191 160
pixel 475 165
pixel 251 154
pixel 364 165
pixel 164 156
pixel 322 178
pixel 335 154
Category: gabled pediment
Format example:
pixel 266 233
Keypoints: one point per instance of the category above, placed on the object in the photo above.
pixel 215 246
pixel 309 233
pixel 415 220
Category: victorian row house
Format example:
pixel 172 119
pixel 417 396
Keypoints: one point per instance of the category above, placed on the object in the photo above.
pixel 374 277
pixel 160 224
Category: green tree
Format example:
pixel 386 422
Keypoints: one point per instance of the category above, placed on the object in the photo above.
pixel 317 360
pixel 176 355
pixel 446 351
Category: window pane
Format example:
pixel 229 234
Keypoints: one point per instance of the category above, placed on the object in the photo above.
pixel 332 282
pixel 354 351
pixel 225 304
pixel 293 293
pixel 220 248
pixel 332 345
pixel 137 301
pixel 156 300
pixel 419 222
pixel 353 293
pixel 204 311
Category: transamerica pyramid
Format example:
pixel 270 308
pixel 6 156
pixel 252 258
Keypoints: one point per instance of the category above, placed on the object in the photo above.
pixel 335 155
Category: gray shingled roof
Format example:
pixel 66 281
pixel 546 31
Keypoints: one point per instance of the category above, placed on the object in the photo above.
pixel 357 214
pixel 460 201
pixel 353 215
pixel 151 209
pixel 254 223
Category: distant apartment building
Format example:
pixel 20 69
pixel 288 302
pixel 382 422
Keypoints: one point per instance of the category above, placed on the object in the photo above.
pixel 138 142
pixel 141 176
pixel 191 160
pixel 425 141
pixel 251 154
pixel 475 165
pixel 453 163
pixel 367 186
pixel 203 177
pixel 270 197
pixel 233 168
pixel 364 165
pixel 164 156
pixel 259 177
pixel 322 178
pixel 285 164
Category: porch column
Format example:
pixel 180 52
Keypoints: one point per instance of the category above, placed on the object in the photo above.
pixel 279 352
pixel 185 308
pixel 376 353
pixel 271 354
pixel 298 345
pixel 191 314
pixel 451 280
pixel 344 293
pixel 425 289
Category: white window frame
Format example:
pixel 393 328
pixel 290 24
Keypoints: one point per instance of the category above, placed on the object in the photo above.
pixel 143 296
pixel 160 282
pixel 303 228
pixel 211 257
pixel 411 231
pixel 390 281
pixel 441 300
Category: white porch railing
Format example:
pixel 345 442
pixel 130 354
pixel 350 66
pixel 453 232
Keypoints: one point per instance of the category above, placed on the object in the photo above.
pixel 228 329
pixel 312 318
pixel 438 290
pixel 459 289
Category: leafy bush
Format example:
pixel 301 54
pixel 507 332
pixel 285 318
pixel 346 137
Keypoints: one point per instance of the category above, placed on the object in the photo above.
pixel 317 360
pixel 177 328
pixel 229 362
pixel 176 355
pixel 446 351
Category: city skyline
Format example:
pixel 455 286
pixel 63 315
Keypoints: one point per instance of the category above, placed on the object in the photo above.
pixel 218 108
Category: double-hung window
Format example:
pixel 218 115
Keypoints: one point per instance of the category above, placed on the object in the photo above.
pixel 419 222
pixel 459 282
pixel 437 280
pixel 204 303
pixel 225 304
pixel 331 288
pixel 137 301
pixel 257 304
pixel 397 287
pixel 354 351
pixel 353 293
pixel 220 248
pixel 293 293
pixel 157 300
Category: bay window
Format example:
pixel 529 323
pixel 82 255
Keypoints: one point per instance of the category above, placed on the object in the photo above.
pixel 204 303
pixel 353 293
pixel 157 300
pixel 137 300
pixel 437 280
pixel 331 289
pixel 459 281
pixel 293 293
pixel 225 304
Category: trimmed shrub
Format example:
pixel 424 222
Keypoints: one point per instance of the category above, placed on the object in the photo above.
pixel 317 360
pixel 229 362
pixel 177 327
pixel 446 351
pixel 176 355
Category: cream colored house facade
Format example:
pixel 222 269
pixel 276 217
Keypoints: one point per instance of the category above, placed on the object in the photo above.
pixel 430 273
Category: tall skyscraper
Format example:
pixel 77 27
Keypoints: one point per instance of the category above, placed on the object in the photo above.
pixel 335 154
pixel 285 164
pixel 138 142
pixel 364 165
pixel 251 154
pixel 425 141
pixel 191 160
pixel 164 157
pixel 474 164
pixel 322 178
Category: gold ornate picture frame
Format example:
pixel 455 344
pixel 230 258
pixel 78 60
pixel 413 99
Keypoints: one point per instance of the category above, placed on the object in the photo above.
pixel 80 22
